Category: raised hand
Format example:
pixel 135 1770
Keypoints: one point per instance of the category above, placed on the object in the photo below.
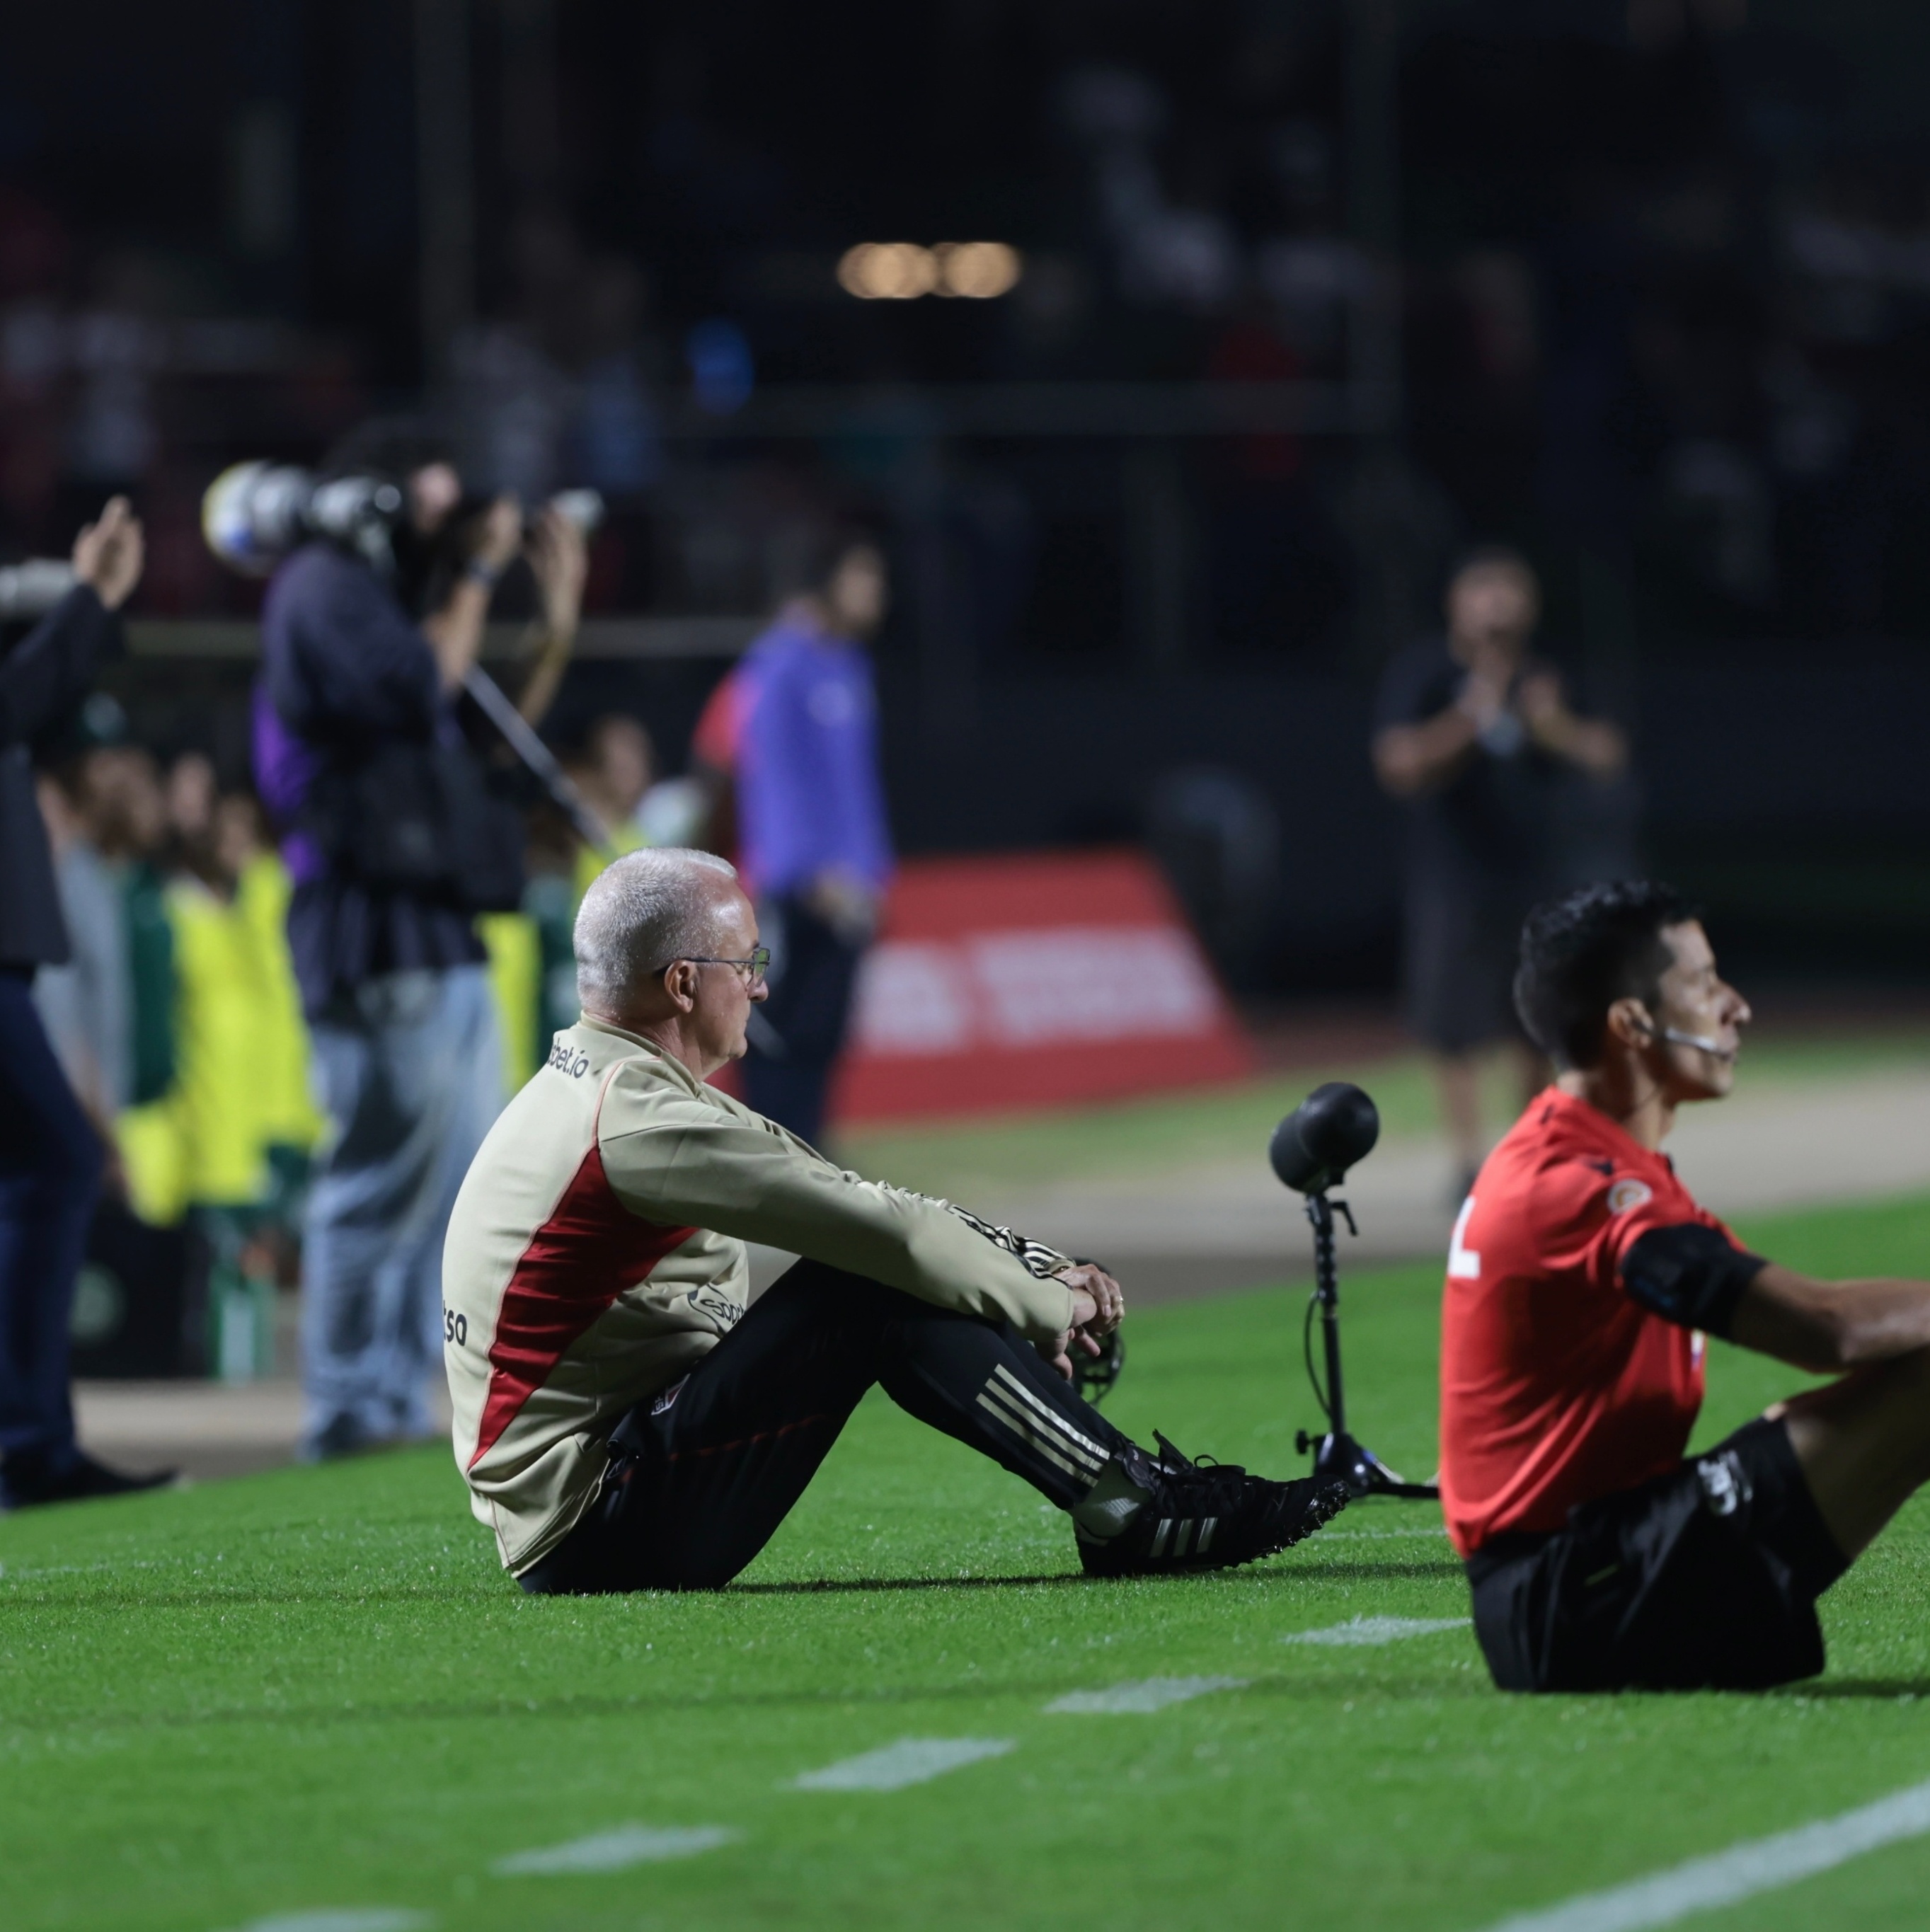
pixel 108 554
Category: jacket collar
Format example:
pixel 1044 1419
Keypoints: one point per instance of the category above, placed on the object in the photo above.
pixel 675 1068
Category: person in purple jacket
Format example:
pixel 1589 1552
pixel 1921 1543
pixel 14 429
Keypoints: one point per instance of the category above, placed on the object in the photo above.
pixel 811 828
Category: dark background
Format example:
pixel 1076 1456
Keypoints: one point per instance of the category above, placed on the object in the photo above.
pixel 1317 292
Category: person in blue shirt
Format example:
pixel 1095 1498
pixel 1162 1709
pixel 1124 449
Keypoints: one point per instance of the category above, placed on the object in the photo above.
pixel 811 820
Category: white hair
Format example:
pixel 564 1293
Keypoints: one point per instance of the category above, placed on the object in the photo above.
pixel 641 913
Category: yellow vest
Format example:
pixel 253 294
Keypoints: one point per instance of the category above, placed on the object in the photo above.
pixel 240 1058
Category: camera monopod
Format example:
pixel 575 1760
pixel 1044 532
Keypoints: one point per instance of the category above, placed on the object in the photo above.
pixel 1334 1129
pixel 490 699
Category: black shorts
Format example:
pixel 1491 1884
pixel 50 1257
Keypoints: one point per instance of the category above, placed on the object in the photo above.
pixel 1705 1578
pixel 1458 975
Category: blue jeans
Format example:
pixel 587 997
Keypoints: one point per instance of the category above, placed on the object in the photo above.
pixel 409 1077
pixel 49 1172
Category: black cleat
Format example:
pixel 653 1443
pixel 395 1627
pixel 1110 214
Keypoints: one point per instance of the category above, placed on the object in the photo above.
pixel 27 1483
pixel 1210 1516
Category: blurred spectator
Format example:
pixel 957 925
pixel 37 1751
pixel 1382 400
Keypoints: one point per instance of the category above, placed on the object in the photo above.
pixel 87 1004
pixel 50 1159
pixel 531 966
pixel 1476 736
pixel 613 770
pixel 127 812
pixel 715 747
pixel 613 439
pixel 816 850
pixel 356 743
pixel 226 1144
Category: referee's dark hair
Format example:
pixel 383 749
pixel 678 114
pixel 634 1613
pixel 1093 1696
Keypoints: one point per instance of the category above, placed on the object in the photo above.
pixel 1581 954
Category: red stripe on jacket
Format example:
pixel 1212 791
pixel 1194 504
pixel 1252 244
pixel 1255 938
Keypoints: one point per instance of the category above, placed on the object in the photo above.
pixel 589 1251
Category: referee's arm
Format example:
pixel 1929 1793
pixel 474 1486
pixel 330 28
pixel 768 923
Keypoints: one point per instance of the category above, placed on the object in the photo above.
pixel 1695 1276
pixel 1826 1325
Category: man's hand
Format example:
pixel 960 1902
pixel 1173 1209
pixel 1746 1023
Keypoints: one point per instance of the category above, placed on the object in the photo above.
pixel 1596 746
pixel 454 632
pixel 561 560
pixel 499 535
pixel 1098 1307
pixel 108 555
pixel 1540 706
pixel 845 903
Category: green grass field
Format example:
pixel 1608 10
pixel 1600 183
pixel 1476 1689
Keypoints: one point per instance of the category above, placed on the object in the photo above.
pixel 1219 1124
pixel 314 1691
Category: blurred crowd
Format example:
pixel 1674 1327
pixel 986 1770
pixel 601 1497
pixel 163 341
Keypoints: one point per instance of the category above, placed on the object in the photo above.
pixel 178 1021
pixel 1659 301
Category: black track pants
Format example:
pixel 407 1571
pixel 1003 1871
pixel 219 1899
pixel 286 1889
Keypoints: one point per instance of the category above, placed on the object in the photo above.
pixel 700 1477
pixel 808 1010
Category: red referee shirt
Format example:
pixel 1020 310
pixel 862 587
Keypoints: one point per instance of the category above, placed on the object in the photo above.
pixel 1556 1386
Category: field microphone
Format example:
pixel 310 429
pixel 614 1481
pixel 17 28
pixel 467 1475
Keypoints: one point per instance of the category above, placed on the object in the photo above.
pixel 1715 1049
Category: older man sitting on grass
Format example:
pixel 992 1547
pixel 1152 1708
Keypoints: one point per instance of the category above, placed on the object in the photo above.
pixel 624 1422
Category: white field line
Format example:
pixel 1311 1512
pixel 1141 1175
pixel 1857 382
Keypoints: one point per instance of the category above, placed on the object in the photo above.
pixel 910 1761
pixel 1376 1630
pixel 353 1919
pixel 617 1849
pixel 1149 1693
pixel 1757 1865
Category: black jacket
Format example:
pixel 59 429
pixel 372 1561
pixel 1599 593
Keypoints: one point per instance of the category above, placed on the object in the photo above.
pixel 41 679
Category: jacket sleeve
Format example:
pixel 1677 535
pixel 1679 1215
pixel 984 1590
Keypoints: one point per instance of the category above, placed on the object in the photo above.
pixel 686 1162
pixel 49 669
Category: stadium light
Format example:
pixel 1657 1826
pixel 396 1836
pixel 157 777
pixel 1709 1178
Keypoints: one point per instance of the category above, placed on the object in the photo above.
pixel 980 270
pixel 888 271
pixel 901 270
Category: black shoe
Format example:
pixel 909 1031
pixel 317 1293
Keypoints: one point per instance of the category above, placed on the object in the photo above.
pixel 1210 1516
pixel 27 1482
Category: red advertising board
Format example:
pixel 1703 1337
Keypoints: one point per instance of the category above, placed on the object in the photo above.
pixel 1035 980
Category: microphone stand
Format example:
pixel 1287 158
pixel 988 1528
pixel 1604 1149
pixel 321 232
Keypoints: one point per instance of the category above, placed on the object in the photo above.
pixel 1337 1457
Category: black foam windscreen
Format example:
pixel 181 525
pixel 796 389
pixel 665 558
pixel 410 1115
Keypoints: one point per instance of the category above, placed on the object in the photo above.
pixel 1336 1126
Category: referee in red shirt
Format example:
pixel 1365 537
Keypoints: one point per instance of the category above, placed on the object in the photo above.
pixel 1581 1281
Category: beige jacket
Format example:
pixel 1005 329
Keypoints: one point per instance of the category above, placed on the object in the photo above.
pixel 596 1253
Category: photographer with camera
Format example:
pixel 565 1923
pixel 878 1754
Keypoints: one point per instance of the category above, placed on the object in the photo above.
pixel 50 1158
pixel 395 843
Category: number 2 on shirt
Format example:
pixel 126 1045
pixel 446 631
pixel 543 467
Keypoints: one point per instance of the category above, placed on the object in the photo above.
pixel 1464 1263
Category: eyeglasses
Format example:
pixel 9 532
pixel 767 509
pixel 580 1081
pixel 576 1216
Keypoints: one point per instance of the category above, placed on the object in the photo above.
pixel 753 968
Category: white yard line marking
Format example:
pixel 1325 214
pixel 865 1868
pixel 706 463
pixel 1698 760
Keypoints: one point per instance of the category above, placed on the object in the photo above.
pixel 617 1849
pixel 363 1919
pixel 910 1761
pixel 1376 1630
pixel 1149 1693
pixel 1758 1864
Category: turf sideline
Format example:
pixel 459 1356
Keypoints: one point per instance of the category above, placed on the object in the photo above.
pixel 1726 1878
